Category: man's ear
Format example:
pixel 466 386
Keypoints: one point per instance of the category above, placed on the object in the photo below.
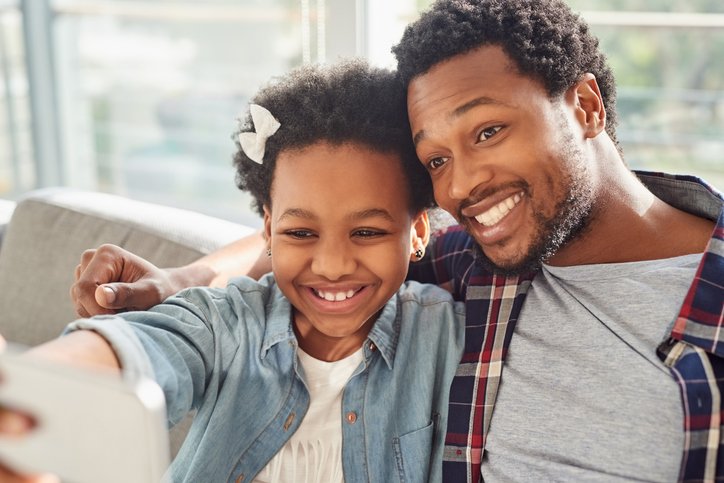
pixel 588 105
pixel 267 225
pixel 419 235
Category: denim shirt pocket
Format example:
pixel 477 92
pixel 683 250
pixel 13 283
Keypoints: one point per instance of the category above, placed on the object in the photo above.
pixel 412 454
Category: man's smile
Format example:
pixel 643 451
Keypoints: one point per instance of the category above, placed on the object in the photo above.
pixel 499 211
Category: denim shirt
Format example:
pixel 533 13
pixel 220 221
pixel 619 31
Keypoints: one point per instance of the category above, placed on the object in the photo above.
pixel 230 354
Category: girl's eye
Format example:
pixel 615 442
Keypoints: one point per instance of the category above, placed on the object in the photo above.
pixel 436 163
pixel 489 132
pixel 299 234
pixel 367 233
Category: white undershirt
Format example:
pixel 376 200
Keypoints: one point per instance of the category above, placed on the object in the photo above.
pixel 314 452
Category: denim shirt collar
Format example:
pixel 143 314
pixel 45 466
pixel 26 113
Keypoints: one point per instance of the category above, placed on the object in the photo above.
pixel 386 332
pixel 278 319
pixel 383 336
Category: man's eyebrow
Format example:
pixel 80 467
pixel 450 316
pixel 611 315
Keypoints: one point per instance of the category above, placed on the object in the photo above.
pixel 357 215
pixel 480 101
pixel 459 111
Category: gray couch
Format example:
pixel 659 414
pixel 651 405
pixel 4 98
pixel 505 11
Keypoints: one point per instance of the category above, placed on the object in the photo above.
pixel 42 242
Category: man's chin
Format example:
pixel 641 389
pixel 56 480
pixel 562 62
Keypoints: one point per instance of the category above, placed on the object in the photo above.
pixel 507 267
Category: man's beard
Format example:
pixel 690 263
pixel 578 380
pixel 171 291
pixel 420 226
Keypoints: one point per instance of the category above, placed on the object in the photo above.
pixel 573 214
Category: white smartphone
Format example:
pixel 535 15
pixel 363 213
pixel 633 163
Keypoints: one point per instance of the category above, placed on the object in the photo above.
pixel 90 427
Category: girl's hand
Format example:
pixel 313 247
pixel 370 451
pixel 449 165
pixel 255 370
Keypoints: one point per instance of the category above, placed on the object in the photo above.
pixel 17 425
pixel 8 476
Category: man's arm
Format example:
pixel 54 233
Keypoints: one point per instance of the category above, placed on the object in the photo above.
pixel 110 279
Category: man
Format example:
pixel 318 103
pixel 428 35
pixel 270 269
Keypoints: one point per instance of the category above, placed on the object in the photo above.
pixel 594 295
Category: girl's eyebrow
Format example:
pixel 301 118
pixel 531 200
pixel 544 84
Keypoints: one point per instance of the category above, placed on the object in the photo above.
pixel 297 213
pixel 356 216
pixel 371 213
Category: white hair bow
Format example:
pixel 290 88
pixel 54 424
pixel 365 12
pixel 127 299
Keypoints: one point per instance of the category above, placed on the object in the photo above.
pixel 254 143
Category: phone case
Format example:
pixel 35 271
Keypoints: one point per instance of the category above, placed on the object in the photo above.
pixel 90 427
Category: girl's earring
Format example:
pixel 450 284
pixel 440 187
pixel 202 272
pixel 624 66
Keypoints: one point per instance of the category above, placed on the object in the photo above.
pixel 419 253
pixel 268 252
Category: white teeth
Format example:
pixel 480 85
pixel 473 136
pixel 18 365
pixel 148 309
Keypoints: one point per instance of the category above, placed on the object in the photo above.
pixel 499 211
pixel 335 296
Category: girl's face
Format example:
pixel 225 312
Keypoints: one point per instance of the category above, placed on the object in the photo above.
pixel 341 237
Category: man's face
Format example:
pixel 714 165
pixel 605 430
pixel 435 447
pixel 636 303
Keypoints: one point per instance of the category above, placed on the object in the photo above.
pixel 505 159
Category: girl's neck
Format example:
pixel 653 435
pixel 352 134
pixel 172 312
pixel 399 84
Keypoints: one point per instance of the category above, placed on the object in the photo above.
pixel 325 347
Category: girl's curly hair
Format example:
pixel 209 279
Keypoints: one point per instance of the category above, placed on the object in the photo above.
pixel 348 102
pixel 545 39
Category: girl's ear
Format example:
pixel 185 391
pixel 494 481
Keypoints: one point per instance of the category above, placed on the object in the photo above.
pixel 419 235
pixel 267 226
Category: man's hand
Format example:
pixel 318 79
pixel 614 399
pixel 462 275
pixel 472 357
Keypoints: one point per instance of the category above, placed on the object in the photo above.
pixel 110 279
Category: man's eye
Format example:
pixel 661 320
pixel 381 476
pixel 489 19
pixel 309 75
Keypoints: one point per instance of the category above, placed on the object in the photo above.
pixel 436 163
pixel 299 234
pixel 489 132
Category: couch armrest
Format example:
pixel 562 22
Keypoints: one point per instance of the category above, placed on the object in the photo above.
pixel 50 229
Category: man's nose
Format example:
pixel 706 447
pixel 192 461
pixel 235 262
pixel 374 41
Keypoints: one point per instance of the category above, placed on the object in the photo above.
pixel 466 175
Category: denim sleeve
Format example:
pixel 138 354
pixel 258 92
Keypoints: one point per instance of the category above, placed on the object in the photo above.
pixel 183 344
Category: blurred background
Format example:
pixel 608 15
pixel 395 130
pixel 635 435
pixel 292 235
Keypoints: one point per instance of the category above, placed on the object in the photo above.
pixel 140 98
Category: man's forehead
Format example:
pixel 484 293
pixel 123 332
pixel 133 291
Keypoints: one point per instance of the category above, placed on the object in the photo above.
pixel 487 65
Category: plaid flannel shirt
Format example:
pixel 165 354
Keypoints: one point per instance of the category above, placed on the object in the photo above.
pixel 693 352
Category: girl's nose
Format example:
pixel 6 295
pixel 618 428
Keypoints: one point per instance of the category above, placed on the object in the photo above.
pixel 334 260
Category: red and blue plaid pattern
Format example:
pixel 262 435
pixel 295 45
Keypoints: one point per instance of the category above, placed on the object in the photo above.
pixel 493 302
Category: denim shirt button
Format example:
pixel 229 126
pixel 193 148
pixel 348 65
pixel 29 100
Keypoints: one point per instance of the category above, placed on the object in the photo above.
pixel 240 478
pixel 351 417
pixel 372 346
pixel 289 421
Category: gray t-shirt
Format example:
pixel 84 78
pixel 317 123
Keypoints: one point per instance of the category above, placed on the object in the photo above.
pixel 583 395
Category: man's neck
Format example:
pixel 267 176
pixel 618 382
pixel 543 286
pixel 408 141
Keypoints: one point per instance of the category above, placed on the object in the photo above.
pixel 630 224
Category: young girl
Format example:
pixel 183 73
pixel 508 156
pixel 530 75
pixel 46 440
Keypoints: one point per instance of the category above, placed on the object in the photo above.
pixel 331 368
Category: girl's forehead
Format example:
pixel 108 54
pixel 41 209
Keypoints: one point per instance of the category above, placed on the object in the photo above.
pixel 341 175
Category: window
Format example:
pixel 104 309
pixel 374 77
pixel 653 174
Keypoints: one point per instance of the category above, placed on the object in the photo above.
pixel 16 157
pixel 667 59
pixel 145 95
pixel 141 97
